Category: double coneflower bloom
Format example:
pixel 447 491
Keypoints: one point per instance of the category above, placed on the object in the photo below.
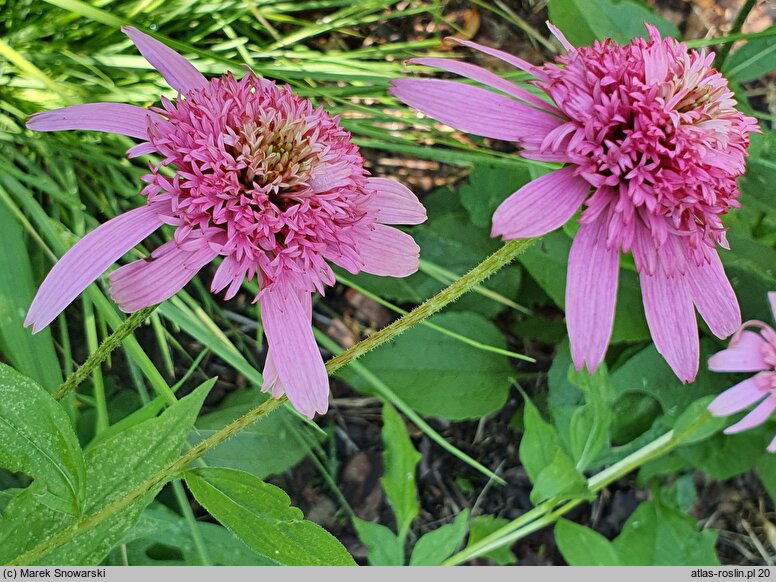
pixel 650 144
pixel 647 137
pixel 251 174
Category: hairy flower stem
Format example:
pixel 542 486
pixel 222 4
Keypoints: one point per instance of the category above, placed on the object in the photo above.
pixel 738 24
pixel 502 257
pixel 103 351
pixel 478 274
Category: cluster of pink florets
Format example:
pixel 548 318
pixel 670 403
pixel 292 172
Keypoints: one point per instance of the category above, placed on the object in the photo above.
pixel 273 183
pixel 654 129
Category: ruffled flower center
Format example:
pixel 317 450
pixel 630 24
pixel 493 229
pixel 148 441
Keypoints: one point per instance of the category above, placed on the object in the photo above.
pixel 654 129
pixel 271 182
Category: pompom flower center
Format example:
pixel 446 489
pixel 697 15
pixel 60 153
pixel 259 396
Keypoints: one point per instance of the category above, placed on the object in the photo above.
pixel 260 173
pixel 654 129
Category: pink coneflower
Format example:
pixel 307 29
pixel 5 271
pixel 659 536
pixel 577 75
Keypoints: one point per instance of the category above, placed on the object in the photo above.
pixel 260 178
pixel 749 351
pixel 651 144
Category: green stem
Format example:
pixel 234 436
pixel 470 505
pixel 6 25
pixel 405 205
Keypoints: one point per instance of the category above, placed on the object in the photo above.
pixel 100 402
pixel 103 351
pixel 738 24
pixel 502 257
pixel 490 265
pixel 548 512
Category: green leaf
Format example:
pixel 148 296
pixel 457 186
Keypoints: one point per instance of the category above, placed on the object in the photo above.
pixel 696 423
pixel 488 186
pixel 271 446
pixel 161 537
pixel 724 456
pixel 647 372
pixel 589 426
pixel 546 461
pixel 384 547
pixel 481 527
pixel 261 516
pixel 32 355
pixel 754 59
pixel 440 376
pixel 438 545
pixel 766 472
pixel 582 546
pixel 583 21
pixel 659 535
pixel 400 460
pixel 114 466
pixel 36 438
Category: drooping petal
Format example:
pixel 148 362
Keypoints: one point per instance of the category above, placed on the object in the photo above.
pixel 294 352
pixel 560 36
pixel 230 273
pixel 591 294
pixel 118 118
pixel 88 259
pixel 153 280
pixel 389 252
pixel 714 297
pixel 501 55
pixel 394 203
pixel 772 446
pixel 755 418
pixel 671 320
pixel 737 398
pixel 476 73
pixel 745 354
pixel 270 379
pixel 473 110
pixel 179 73
pixel 540 206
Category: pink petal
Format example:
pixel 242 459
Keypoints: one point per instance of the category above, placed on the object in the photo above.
pixel 271 380
pixel 159 277
pixel 755 418
pixel 394 203
pixel 329 176
pixel 540 206
pixel 294 352
pixel 118 118
pixel 591 294
pixel 772 302
pixel 389 252
pixel 745 354
pixel 714 297
pixel 501 55
pixel 671 319
pixel 472 109
pixel 179 73
pixel 229 273
pixel 772 446
pixel 486 77
pixel 737 398
pixel 141 149
pixel 88 259
pixel 560 36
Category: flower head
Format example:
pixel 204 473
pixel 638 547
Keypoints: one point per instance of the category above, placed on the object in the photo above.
pixel 651 144
pixel 749 351
pixel 255 175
